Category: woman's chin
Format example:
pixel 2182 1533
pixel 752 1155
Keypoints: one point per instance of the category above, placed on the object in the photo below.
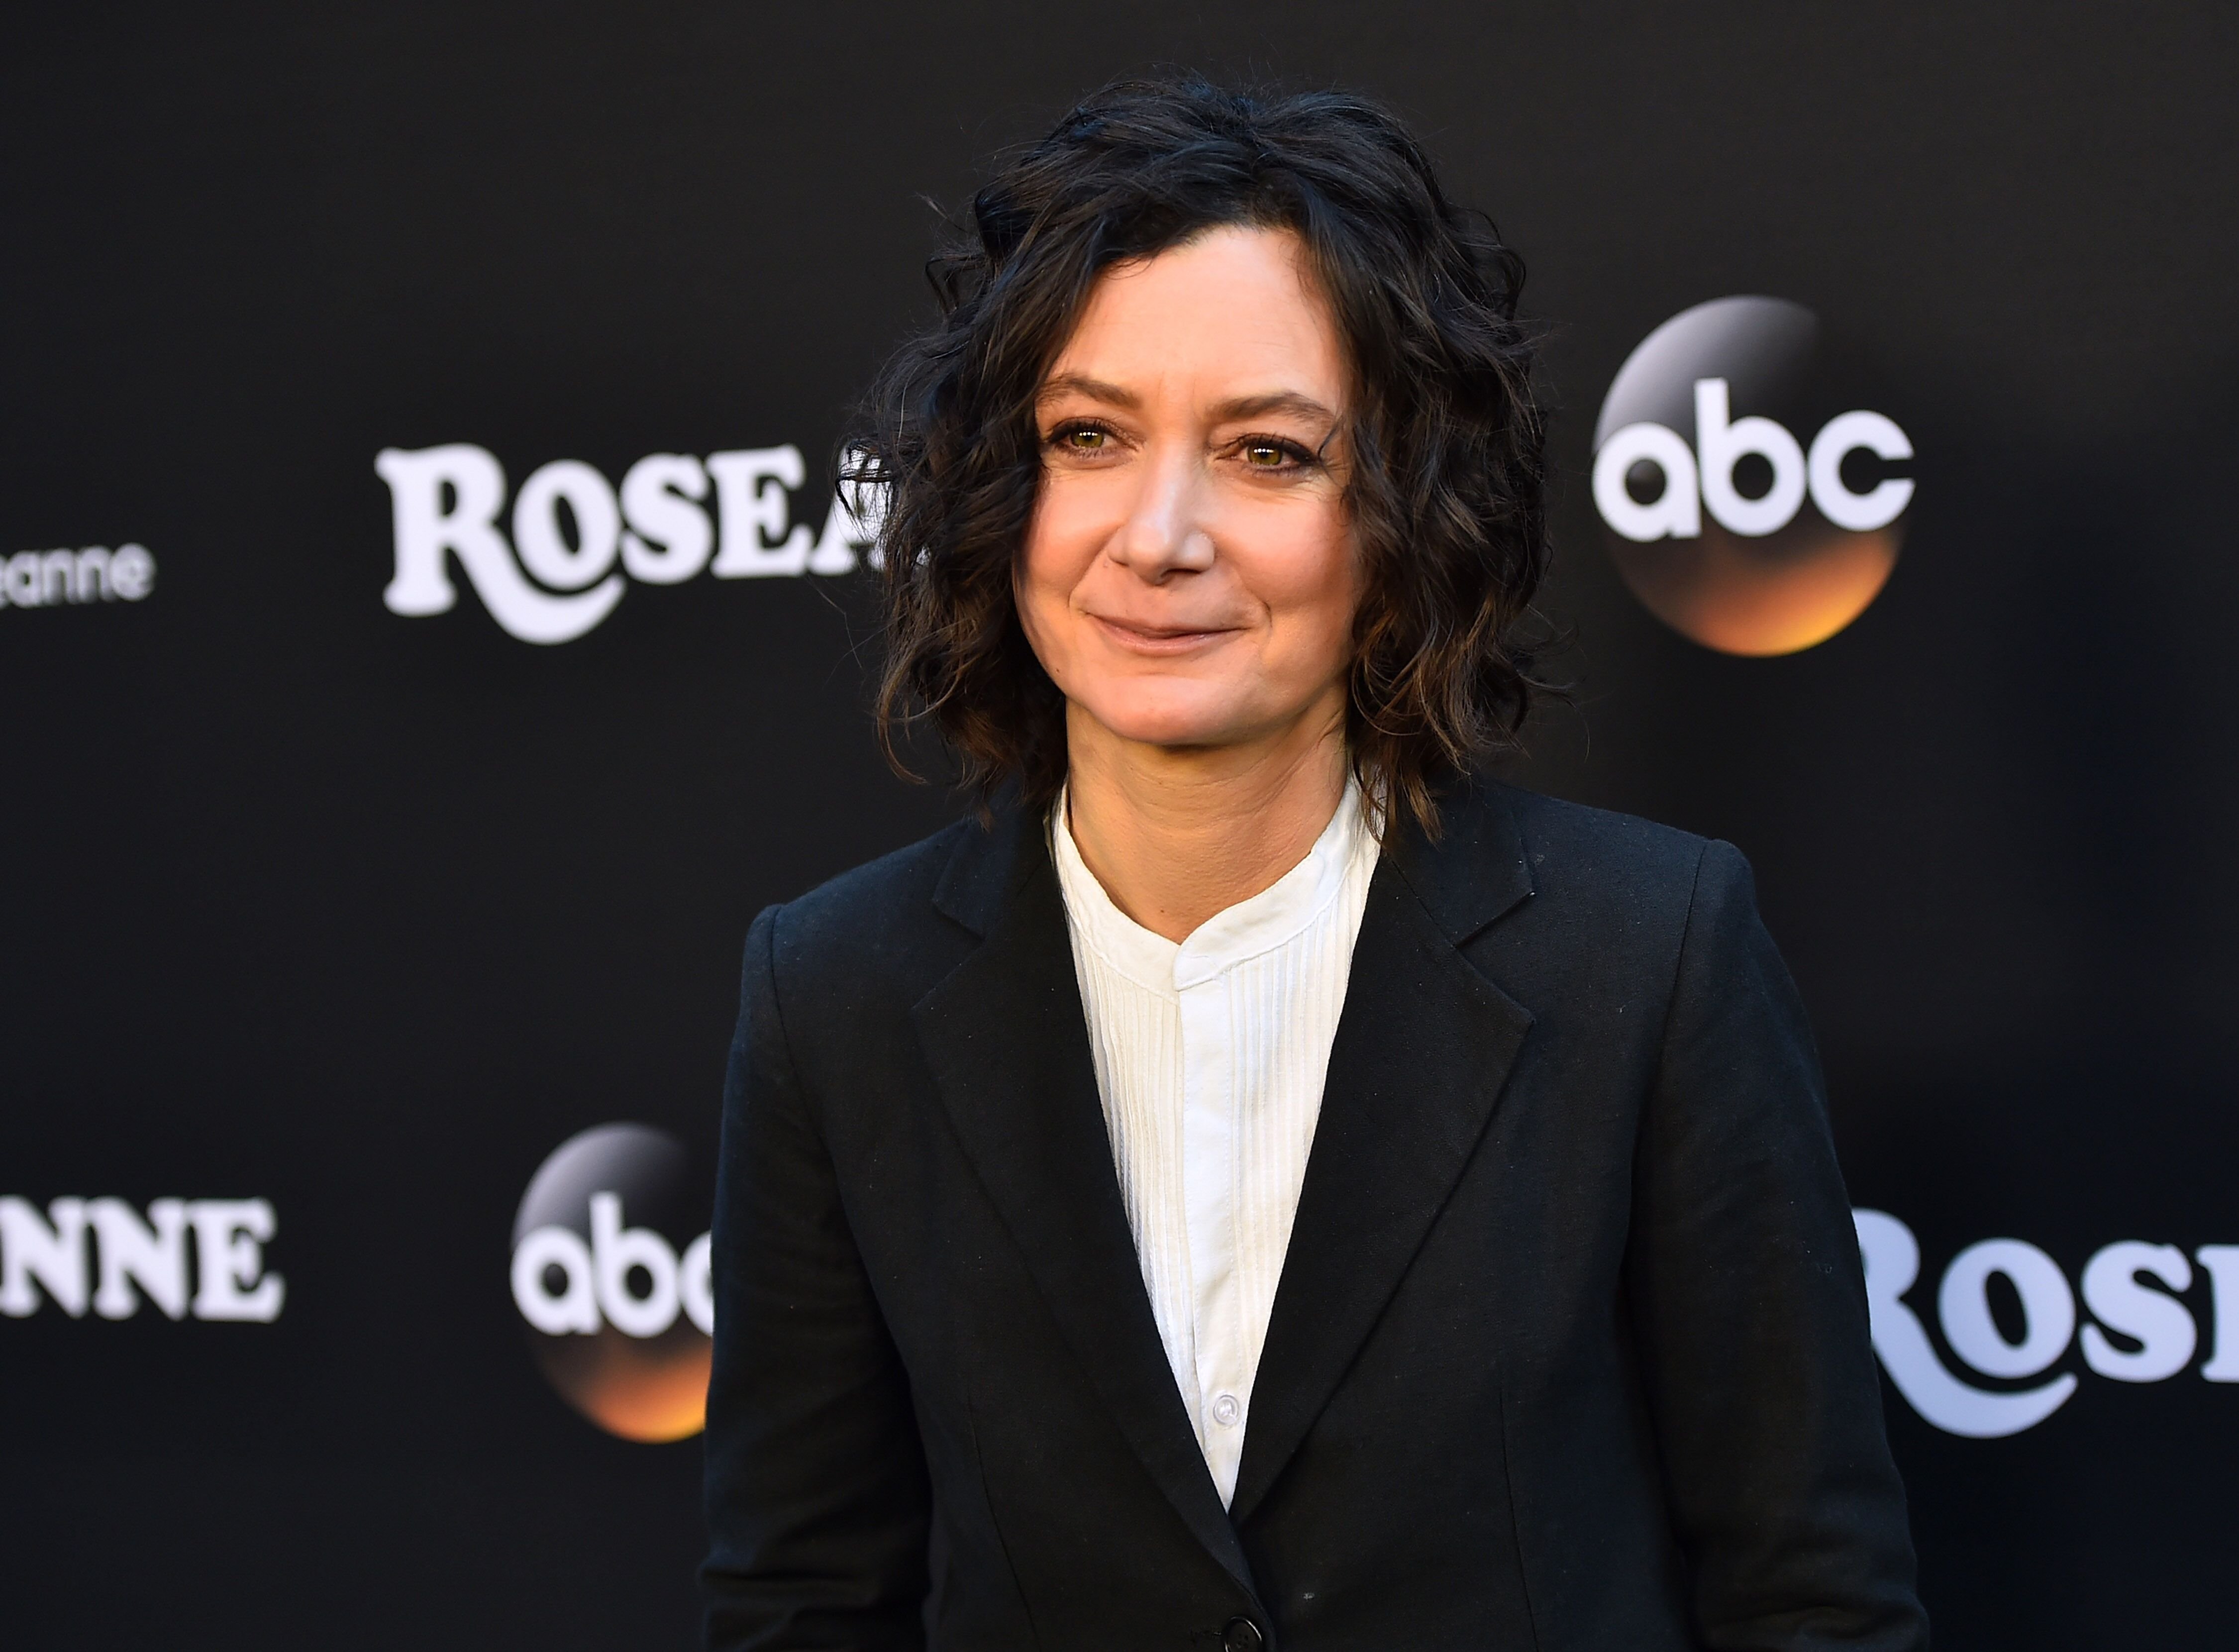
pixel 1179 724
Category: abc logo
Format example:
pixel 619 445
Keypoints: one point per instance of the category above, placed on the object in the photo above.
pixel 610 1270
pixel 1749 535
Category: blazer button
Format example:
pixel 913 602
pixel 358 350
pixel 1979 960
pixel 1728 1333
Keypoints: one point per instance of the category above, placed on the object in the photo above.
pixel 1242 1634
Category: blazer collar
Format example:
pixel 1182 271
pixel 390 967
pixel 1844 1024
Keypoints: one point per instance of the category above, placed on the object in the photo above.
pixel 990 866
pixel 1007 1042
pixel 1422 1051
pixel 1478 870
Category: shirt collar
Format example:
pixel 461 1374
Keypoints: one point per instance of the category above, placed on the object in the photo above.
pixel 1277 915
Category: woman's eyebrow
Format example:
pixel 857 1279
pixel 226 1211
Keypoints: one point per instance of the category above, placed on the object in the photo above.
pixel 1294 402
pixel 1095 390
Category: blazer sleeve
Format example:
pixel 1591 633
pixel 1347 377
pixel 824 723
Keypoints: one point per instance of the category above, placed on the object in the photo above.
pixel 1749 1304
pixel 817 1495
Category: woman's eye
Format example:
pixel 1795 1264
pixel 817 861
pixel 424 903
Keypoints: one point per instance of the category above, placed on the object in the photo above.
pixel 1083 438
pixel 1268 453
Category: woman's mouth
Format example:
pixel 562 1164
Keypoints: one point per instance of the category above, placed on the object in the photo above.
pixel 1165 639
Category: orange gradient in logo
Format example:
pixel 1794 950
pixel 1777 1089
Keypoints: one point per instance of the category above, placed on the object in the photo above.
pixel 648 1394
pixel 1761 597
pixel 612 1283
pixel 1745 509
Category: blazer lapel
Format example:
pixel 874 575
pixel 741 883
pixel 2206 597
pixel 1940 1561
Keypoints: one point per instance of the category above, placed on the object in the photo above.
pixel 1008 1046
pixel 1422 1050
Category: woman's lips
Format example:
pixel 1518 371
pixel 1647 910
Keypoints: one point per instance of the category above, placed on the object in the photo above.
pixel 1160 639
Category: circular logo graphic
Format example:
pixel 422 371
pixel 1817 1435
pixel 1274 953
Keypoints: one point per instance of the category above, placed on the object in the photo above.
pixel 610 1270
pixel 1744 509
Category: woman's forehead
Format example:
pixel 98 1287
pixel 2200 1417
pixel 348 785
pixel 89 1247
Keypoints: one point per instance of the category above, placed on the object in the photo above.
pixel 1234 312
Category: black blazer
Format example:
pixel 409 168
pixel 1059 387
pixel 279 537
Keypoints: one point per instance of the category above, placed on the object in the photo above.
pixel 1570 1350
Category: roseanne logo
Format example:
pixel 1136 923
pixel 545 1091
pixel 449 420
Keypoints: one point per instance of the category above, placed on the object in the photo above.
pixel 104 1254
pixel 578 543
pixel 2146 1301
pixel 61 578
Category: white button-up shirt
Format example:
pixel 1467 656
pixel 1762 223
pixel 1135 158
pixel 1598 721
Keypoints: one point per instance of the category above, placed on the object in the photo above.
pixel 1210 1058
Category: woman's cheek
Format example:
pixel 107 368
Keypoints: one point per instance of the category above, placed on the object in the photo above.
pixel 1040 606
pixel 1313 576
pixel 1326 610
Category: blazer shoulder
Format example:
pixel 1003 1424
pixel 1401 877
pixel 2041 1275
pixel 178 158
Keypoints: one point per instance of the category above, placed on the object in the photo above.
pixel 1604 843
pixel 869 908
pixel 842 967
pixel 1605 873
pixel 1610 903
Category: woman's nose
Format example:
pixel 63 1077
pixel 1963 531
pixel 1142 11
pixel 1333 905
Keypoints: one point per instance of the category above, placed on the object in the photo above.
pixel 1164 533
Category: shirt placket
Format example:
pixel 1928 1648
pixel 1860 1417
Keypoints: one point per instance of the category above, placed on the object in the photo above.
pixel 1209 1176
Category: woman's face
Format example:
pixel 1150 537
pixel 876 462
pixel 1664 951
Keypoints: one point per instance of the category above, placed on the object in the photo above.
pixel 1190 575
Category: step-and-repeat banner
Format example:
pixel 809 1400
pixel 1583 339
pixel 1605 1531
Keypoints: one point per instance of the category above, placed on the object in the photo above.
pixel 429 632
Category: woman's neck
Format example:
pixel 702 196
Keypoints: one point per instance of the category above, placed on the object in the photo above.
pixel 1177 836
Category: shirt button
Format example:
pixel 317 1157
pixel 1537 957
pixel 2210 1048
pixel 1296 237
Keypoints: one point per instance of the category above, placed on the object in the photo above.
pixel 1242 1634
pixel 1227 1410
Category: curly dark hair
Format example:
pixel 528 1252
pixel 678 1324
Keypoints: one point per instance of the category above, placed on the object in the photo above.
pixel 1446 486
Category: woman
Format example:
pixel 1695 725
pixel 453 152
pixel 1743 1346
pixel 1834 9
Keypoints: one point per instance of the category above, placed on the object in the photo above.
pixel 1265 1185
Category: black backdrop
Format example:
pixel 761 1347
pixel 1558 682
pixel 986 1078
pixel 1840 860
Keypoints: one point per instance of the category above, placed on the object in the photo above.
pixel 363 914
